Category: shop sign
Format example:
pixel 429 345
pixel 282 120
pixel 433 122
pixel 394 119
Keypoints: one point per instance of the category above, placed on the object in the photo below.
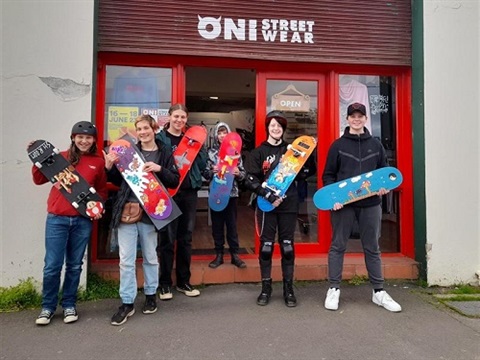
pixel 160 115
pixel 297 101
pixel 267 30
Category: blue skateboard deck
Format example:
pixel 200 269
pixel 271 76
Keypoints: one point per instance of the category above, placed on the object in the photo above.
pixel 357 188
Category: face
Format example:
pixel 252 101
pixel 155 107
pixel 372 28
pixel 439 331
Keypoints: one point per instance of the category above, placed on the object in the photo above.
pixel 275 130
pixel 357 122
pixel 144 131
pixel 221 135
pixel 178 119
pixel 83 142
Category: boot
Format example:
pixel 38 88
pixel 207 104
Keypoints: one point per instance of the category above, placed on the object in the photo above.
pixel 238 262
pixel 264 296
pixel 216 262
pixel 288 295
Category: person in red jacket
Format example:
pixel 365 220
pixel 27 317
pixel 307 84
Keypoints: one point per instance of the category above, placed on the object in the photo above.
pixel 67 233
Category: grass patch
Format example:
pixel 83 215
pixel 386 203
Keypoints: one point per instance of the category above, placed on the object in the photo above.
pixel 465 289
pixel 99 288
pixel 19 297
pixel 358 280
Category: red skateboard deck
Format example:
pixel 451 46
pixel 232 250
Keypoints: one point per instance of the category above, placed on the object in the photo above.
pixel 222 182
pixel 287 169
pixel 62 174
pixel 186 152
pixel 150 192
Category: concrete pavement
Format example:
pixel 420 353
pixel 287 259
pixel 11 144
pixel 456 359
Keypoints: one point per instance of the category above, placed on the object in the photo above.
pixel 225 323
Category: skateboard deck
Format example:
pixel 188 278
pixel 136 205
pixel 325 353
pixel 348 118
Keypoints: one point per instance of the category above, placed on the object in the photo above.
pixel 287 169
pixel 222 182
pixel 69 182
pixel 187 150
pixel 357 188
pixel 150 192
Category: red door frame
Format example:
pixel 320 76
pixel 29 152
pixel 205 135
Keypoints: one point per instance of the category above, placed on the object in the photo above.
pixel 327 75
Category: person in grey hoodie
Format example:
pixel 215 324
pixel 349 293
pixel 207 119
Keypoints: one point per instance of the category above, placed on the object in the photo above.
pixel 226 218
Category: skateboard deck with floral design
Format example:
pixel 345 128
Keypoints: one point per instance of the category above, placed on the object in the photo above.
pixel 222 182
pixel 150 192
pixel 287 169
pixel 66 179
pixel 357 187
pixel 187 150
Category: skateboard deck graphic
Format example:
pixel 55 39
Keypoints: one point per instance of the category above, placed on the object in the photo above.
pixel 150 192
pixel 287 169
pixel 222 182
pixel 357 187
pixel 186 152
pixel 69 182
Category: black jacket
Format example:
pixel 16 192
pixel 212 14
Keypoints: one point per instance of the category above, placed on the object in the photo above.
pixel 260 163
pixel 352 155
pixel 169 177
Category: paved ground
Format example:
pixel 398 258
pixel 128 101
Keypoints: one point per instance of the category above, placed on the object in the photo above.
pixel 225 323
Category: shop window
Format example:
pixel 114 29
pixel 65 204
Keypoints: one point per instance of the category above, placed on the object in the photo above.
pixel 377 93
pixel 129 92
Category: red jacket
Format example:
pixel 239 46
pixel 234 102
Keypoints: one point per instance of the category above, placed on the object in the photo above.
pixel 92 169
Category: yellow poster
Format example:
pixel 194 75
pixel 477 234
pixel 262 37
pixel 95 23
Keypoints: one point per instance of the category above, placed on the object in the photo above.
pixel 121 121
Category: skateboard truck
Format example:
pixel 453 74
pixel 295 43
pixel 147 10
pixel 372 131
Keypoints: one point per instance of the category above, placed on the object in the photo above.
pixel 274 191
pixel 296 152
pixel 81 197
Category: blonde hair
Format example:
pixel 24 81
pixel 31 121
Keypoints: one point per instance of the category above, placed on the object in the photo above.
pixel 151 121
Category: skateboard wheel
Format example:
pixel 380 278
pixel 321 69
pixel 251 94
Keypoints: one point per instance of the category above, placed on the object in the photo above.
pixel 264 185
pixel 392 176
pixel 75 205
pixel 92 190
pixel 289 146
pixel 38 165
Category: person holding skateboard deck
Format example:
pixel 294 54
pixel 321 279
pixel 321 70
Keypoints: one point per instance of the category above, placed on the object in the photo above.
pixel 181 229
pixel 259 164
pixel 67 233
pixel 158 159
pixel 354 153
pixel 228 216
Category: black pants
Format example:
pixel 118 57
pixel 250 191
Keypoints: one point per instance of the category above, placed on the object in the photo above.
pixel 181 230
pixel 227 218
pixel 267 225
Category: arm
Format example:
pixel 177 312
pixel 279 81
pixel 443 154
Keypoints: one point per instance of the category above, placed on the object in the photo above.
pixel 330 171
pixel 168 173
pixel 207 173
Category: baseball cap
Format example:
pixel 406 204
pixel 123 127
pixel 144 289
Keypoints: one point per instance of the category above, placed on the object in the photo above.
pixel 356 107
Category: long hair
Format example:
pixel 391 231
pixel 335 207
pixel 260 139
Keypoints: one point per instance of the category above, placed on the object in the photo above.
pixel 172 108
pixel 74 152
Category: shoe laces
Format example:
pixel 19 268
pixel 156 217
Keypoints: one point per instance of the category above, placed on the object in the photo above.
pixel 45 313
pixel 69 311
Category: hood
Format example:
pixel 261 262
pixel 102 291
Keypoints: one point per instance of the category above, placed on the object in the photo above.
pixel 215 130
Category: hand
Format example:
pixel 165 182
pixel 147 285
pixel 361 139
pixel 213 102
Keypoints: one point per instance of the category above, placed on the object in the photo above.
pixel 97 216
pixel 110 159
pixel 152 167
pixel 236 171
pixel 273 199
pixel 383 191
pixel 337 206
pixel 215 169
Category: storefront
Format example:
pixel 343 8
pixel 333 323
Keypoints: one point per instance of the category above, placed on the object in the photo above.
pixel 235 62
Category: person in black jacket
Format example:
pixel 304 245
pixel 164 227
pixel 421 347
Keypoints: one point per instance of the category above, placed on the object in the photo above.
pixel 158 159
pixel 355 153
pixel 259 164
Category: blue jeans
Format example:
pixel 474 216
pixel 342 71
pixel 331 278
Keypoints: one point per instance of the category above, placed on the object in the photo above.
pixel 66 238
pixel 128 234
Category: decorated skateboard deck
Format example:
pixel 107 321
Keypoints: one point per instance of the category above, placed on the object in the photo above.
pixel 287 169
pixel 69 182
pixel 357 188
pixel 150 192
pixel 186 152
pixel 222 182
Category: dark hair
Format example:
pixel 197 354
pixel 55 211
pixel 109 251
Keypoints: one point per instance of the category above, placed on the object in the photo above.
pixel 172 108
pixel 151 121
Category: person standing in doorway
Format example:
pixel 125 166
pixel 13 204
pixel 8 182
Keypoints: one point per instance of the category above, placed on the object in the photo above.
pixel 354 153
pixel 159 160
pixel 227 218
pixel 283 218
pixel 67 233
pixel 181 229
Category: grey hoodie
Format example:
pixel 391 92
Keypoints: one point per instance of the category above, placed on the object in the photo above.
pixel 213 160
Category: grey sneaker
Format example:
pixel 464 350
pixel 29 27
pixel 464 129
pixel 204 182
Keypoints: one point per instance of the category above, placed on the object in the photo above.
pixel 44 317
pixel 70 315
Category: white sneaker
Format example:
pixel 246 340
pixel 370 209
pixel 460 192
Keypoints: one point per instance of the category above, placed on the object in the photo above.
pixel 381 298
pixel 332 299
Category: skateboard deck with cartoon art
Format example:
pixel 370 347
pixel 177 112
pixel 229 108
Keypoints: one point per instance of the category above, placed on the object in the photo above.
pixel 287 169
pixel 357 187
pixel 69 182
pixel 222 182
pixel 150 192
pixel 187 150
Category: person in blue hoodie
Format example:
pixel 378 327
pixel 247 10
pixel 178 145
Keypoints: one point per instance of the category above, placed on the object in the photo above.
pixel 181 229
pixel 227 218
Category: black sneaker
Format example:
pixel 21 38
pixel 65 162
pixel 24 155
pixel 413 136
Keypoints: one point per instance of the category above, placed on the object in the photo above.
pixel 150 305
pixel 44 317
pixel 122 315
pixel 165 292
pixel 188 290
pixel 70 315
